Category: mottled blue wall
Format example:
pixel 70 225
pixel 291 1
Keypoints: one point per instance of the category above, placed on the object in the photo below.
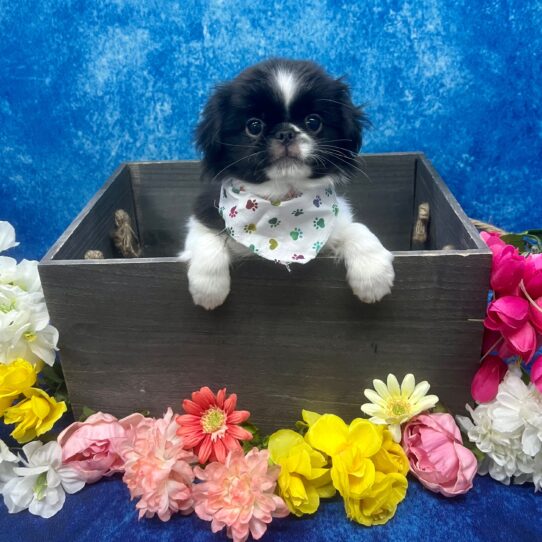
pixel 87 84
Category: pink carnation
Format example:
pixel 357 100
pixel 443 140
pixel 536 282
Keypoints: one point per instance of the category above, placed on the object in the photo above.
pixel 238 494
pixel 433 445
pixel 92 447
pixel 158 469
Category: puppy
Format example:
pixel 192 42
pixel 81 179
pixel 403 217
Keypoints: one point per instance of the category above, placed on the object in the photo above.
pixel 276 141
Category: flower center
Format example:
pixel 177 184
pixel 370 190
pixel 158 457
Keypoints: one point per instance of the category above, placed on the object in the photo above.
pixel 213 420
pixel 30 336
pixel 7 307
pixel 397 406
pixel 40 486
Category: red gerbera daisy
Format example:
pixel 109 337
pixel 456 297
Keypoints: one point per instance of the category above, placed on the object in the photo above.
pixel 210 425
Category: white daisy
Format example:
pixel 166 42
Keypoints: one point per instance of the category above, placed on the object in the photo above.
pixel 394 404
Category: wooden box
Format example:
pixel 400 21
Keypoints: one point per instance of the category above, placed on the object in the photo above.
pixel 131 338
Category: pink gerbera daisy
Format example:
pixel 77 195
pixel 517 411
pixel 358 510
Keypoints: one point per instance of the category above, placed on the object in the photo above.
pixel 211 424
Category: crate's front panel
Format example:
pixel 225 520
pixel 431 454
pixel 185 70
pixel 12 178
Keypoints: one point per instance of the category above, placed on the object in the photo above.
pixel 131 339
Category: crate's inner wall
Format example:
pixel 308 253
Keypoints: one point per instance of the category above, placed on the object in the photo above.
pixel 382 195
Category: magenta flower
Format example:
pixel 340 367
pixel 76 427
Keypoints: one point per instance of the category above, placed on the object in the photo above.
pixel 433 445
pixel 239 494
pixel 507 270
pixel 533 275
pixel 485 383
pixel 493 241
pixel 535 313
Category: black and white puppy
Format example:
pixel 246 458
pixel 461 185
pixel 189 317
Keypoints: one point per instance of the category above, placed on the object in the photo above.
pixel 280 127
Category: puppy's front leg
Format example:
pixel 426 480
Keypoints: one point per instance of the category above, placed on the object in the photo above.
pixel 208 259
pixel 369 268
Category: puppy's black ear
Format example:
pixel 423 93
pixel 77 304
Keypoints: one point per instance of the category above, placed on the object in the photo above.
pixel 354 119
pixel 208 130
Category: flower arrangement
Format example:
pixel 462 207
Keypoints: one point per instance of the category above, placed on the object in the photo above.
pixel 209 460
pixel 506 424
pixel 28 344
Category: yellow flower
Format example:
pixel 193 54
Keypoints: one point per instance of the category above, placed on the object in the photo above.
pixel 391 457
pixel 350 447
pixel 15 378
pixel 303 477
pixel 34 415
pixel 379 505
pixel 393 405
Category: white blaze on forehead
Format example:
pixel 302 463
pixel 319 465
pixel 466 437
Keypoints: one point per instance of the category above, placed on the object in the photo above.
pixel 287 85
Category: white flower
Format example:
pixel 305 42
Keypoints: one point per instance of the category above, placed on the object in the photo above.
pixel 393 405
pixel 518 407
pixel 7 236
pixel 24 327
pixel 41 484
pixel 8 460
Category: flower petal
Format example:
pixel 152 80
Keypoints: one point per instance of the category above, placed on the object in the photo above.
pixel 393 385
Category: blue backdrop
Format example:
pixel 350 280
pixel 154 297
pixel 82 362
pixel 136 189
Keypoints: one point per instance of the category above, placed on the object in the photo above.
pixel 85 85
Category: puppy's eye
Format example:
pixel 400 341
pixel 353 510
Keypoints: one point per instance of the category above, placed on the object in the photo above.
pixel 313 123
pixel 254 127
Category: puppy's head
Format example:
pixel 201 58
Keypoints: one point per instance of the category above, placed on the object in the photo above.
pixel 280 119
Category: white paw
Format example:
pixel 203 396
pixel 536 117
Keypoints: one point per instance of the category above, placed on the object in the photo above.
pixel 208 289
pixel 371 277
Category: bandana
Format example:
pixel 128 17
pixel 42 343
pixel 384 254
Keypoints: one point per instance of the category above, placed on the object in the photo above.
pixel 285 231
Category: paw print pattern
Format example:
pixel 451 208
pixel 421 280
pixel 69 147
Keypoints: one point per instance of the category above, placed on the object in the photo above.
pixel 273 244
pixel 296 234
pixel 233 211
pixel 335 209
pixel 221 211
pixel 319 223
pixel 298 257
pixel 230 231
pixel 297 212
pixel 250 228
pixel 274 222
pixel 252 205
pixel 329 191
pixel 253 248
pixel 318 246
pixel 317 201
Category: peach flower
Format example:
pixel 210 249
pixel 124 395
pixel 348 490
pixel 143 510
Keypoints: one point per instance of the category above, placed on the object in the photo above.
pixel 158 469
pixel 239 494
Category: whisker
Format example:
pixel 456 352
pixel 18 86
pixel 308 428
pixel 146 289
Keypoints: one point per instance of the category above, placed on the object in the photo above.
pixel 233 163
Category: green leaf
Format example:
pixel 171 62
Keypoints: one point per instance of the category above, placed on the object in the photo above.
pixel 86 412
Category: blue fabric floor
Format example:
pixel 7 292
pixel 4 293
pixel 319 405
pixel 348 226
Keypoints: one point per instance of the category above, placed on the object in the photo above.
pixel 103 511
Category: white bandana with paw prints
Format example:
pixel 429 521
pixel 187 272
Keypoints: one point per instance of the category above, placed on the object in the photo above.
pixel 285 231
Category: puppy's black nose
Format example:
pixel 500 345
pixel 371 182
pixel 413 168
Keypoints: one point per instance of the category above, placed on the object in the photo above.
pixel 285 136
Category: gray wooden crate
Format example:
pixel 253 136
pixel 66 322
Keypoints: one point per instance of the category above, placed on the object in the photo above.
pixel 131 339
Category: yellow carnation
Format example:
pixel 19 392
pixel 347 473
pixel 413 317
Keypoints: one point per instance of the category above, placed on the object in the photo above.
pixel 391 457
pixel 15 378
pixel 34 415
pixel 379 505
pixel 303 477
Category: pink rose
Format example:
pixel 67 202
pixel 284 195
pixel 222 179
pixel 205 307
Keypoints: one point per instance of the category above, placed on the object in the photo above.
pixel 92 447
pixel 533 275
pixel 485 383
pixel 493 241
pixel 535 314
pixel 507 270
pixel 437 457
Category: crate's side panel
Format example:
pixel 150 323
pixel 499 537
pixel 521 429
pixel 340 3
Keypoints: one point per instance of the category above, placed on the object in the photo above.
pixel 91 230
pixel 448 226
pixel 131 339
pixel 381 194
